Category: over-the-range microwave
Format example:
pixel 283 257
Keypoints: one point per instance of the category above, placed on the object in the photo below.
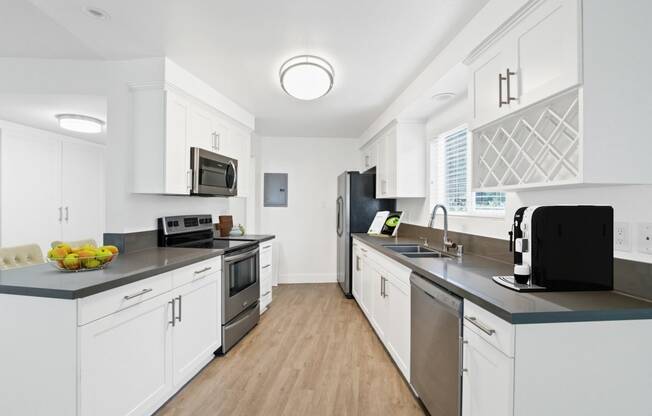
pixel 213 174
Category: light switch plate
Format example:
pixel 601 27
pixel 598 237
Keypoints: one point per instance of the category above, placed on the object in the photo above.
pixel 645 237
pixel 622 240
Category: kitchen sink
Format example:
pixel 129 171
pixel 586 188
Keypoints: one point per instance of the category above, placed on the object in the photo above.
pixel 409 248
pixel 415 251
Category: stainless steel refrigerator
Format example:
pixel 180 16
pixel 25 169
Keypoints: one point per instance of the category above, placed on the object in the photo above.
pixel 356 208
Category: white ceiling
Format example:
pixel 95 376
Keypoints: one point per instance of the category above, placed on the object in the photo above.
pixel 376 46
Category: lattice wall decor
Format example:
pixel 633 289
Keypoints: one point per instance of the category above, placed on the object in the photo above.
pixel 539 146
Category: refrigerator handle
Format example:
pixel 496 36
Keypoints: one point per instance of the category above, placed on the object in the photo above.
pixel 339 215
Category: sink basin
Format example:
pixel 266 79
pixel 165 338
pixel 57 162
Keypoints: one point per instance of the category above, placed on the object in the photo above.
pixel 433 254
pixel 416 251
pixel 410 248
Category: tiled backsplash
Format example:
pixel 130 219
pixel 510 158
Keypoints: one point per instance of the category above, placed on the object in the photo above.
pixel 631 277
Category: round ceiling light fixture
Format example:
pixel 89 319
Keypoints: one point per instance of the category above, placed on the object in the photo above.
pixel 306 77
pixel 96 13
pixel 80 123
pixel 443 96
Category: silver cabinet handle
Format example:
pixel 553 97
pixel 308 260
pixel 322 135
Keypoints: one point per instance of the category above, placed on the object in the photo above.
pixel 264 267
pixel 366 161
pixel 214 139
pixel 462 369
pixel 363 250
pixel 179 317
pixel 501 78
pixel 189 179
pixel 172 302
pixel 67 214
pixel 482 327
pixel 267 293
pixel 205 269
pixel 357 263
pixel 508 78
pixel 60 214
pixel 135 295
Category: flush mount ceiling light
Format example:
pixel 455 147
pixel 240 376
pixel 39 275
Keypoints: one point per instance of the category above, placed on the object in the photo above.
pixel 443 96
pixel 96 13
pixel 79 123
pixel 306 77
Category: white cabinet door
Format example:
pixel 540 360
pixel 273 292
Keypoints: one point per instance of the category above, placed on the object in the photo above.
pixel 369 278
pixel 398 296
pixel 124 361
pixel 83 192
pixel 30 186
pixel 488 382
pixel 357 273
pixel 177 153
pixel 201 131
pixel 488 87
pixel 240 143
pixel 223 138
pixel 369 156
pixel 380 304
pixel 547 44
pixel 197 326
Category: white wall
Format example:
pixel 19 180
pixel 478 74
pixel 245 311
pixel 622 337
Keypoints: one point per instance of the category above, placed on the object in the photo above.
pixel 305 230
pixel 631 203
pixel 125 212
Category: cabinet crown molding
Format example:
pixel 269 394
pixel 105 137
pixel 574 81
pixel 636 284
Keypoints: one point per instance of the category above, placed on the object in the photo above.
pixel 501 31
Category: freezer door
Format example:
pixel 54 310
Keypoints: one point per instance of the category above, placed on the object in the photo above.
pixel 343 234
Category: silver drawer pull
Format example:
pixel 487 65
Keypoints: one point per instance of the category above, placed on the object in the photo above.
pixel 135 295
pixel 266 293
pixel 264 267
pixel 482 327
pixel 205 269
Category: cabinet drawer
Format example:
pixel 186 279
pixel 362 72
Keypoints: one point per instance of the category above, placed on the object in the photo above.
pixel 266 255
pixel 196 271
pixel 265 284
pixel 114 300
pixel 489 327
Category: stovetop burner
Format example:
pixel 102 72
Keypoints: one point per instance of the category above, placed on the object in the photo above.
pixel 195 231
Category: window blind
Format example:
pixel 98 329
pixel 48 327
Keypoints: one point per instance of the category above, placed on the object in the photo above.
pixel 455 180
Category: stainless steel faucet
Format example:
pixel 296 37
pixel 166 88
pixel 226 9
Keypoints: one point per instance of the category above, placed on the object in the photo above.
pixel 447 243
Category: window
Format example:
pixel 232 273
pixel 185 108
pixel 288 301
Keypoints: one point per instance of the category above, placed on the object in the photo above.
pixel 451 184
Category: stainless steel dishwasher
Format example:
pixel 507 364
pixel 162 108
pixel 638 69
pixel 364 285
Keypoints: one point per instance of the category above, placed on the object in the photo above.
pixel 435 347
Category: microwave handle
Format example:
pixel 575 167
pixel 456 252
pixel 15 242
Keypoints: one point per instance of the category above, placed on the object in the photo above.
pixel 235 175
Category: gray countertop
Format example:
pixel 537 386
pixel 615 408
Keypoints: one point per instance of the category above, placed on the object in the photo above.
pixel 45 281
pixel 247 237
pixel 470 278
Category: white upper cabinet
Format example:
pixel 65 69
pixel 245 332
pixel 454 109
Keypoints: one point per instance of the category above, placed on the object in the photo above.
pixel 369 155
pixel 547 46
pixel 531 57
pixel 401 161
pixel 167 123
pixel 60 194
pixel 546 110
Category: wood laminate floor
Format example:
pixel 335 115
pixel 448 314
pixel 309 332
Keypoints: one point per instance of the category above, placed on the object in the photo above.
pixel 313 353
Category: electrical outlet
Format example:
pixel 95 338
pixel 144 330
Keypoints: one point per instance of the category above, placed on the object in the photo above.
pixel 622 242
pixel 645 237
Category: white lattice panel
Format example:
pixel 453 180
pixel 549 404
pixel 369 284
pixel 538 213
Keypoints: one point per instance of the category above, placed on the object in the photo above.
pixel 537 147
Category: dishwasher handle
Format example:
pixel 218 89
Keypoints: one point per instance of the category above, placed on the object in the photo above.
pixel 437 293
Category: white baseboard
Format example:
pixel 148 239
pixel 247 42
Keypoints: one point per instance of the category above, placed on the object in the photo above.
pixel 307 278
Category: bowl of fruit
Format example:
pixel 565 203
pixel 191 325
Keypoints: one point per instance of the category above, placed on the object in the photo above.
pixel 80 259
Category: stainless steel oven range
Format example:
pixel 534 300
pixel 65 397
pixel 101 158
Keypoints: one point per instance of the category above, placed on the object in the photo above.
pixel 240 271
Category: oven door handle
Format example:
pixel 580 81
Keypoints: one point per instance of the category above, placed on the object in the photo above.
pixel 238 257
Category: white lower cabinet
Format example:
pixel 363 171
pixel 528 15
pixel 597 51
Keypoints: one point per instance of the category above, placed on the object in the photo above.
pixel 196 333
pixel 124 360
pixel 383 294
pixel 266 274
pixel 133 360
pixel 488 378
